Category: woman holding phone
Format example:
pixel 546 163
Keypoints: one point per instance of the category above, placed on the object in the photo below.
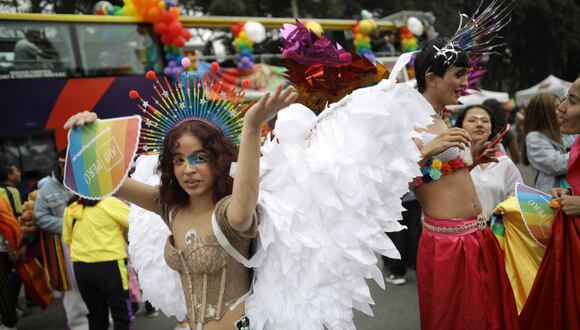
pixel 494 182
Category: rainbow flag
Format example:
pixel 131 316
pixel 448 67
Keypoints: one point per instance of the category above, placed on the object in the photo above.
pixel 522 254
pixel 536 212
pixel 99 156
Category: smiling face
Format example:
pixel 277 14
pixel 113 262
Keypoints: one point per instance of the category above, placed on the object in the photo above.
pixel 478 124
pixel 192 168
pixel 448 88
pixel 569 110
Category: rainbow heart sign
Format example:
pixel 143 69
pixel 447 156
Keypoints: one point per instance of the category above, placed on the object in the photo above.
pixel 536 212
pixel 99 156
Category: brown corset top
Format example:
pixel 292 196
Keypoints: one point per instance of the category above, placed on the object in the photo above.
pixel 213 281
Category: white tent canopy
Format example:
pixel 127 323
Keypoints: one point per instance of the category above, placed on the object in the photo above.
pixel 476 97
pixel 551 84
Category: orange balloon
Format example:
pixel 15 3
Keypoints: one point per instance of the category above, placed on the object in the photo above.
pixel 175 11
pixel 143 12
pixel 154 14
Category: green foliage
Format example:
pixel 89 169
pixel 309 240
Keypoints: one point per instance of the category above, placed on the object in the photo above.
pixel 227 8
pixel 544 38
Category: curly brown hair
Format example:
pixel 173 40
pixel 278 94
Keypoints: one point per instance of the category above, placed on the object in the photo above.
pixel 215 142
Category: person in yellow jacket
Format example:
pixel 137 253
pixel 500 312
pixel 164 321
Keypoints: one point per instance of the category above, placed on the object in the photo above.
pixel 95 231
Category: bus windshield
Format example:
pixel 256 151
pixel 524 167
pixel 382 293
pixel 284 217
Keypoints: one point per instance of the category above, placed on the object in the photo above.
pixel 59 49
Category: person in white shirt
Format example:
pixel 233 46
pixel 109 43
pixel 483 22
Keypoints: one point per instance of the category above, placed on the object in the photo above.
pixel 494 182
pixel 27 55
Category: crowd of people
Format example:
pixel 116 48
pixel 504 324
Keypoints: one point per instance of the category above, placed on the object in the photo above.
pixel 461 277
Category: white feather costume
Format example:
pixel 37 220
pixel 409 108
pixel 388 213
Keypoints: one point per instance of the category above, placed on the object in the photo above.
pixel 330 189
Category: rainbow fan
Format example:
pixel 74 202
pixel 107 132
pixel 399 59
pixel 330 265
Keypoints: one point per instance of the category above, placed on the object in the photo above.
pixel 536 212
pixel 99 156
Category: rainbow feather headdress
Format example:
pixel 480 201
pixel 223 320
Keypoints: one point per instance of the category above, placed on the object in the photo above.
pixel 189 98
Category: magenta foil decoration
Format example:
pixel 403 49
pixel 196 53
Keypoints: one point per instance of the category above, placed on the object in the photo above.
pixel 305 47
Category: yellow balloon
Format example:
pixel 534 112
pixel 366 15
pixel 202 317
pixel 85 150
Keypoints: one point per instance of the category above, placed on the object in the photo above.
pixel 315 27
pixel 162 5
pixel 366 39
pixel 243 35
pixel 129 10
pixel 366 26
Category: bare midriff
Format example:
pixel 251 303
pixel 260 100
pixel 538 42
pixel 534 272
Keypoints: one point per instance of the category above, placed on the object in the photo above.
pixel 451 197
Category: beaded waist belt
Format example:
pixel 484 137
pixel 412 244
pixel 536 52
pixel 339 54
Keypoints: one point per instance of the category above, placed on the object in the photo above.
pixel 473 226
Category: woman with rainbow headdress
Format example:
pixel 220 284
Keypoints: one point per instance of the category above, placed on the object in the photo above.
pixel 329 189
pixel 461 277
pixel 195 189
pixel 553 301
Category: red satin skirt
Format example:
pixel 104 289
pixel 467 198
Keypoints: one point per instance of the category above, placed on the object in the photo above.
pixel 461 278
pixel 554 300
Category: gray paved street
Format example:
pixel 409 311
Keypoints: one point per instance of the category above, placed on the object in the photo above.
pixel 396 307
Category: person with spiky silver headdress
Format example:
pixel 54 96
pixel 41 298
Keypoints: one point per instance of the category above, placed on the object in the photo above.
pixel 461 276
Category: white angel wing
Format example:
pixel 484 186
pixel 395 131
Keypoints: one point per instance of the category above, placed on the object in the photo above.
pixel 327 196
pixel 147 236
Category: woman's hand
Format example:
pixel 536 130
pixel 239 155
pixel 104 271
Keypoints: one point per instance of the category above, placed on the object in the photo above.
pixel 454 137
pixel 268 106
pixel 570 204
pixel 484 153
pixel 559 192
pixel 247 180
pixel 80 119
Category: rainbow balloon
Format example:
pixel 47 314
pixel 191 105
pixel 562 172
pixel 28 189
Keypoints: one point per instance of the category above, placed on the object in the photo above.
pixel 99 156
pixel 536 212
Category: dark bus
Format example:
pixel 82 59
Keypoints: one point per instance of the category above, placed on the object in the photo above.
pixel 52 66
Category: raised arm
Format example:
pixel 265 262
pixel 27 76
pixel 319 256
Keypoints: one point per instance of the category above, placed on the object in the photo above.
pixel 132 191
pixel 140 194
pixel 246 182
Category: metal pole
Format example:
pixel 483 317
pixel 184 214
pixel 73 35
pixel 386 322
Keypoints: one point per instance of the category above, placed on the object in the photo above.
pixel 294 4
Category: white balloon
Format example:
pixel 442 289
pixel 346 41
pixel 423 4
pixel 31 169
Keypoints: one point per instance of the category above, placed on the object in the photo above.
pixel 415 26
pixel 255 31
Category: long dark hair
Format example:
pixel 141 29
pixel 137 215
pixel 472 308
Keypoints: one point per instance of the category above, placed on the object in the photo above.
pixel 426 60
pixel 215 142
pixel 492 118
pixel 541 117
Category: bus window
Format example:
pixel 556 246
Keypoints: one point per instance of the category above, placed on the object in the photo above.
pixel 34 50
pixel 118 49
pixel 33 153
